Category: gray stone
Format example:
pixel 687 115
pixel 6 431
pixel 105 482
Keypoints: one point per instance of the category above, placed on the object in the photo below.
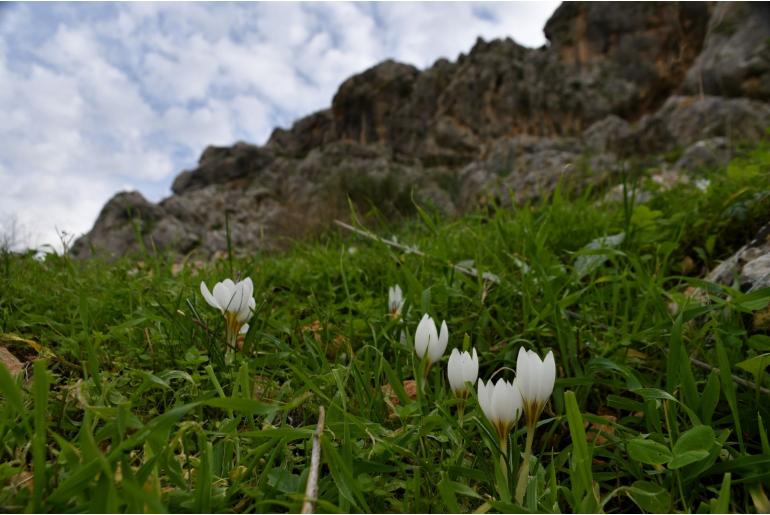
pixel 607 134
pixel 749 267
pixel 705 154
pixel 735 60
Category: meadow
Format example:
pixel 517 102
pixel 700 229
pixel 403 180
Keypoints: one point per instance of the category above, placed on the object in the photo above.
pixel 129 400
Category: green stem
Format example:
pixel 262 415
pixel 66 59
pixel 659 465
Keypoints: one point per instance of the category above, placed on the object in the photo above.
pixel 521 483
pixel 461 411
pixel 504 456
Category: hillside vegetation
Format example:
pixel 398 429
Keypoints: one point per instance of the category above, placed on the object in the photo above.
pixel 129 402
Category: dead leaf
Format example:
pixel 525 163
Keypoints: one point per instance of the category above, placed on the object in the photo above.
pixel 597 433
pixel 11 362
pixel 391 399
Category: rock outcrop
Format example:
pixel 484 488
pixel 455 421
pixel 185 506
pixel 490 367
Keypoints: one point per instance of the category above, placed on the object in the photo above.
pixel 503 123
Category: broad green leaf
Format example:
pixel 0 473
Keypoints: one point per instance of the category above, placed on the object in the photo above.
pixel 650 497
pixel 648 451
pixel 693 445
pixel 592 256
pixel 755 365
pixel 759 342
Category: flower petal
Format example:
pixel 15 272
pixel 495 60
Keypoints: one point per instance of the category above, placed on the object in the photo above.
pixel 208 297
pixel 455 372
pixel 422 335
pixel 438 343
pixel 472 367
pixel 222 295
pixel 485 399
pixel 549 376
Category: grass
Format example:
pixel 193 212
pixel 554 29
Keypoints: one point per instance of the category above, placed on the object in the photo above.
pixel 132 405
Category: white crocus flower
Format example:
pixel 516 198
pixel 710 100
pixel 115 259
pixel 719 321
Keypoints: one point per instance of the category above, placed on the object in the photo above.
pixel 235 301
pixel 536 378
pixel 427 339
pixel 501 404
pixel 462 369
pixel 395 301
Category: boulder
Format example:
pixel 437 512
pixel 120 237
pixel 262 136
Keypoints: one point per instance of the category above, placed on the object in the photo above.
pixel 749 268
pixel 683 121
pixel 706 154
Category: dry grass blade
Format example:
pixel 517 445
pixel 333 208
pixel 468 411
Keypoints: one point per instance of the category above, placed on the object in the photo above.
pixel 467 270
pixel 311 491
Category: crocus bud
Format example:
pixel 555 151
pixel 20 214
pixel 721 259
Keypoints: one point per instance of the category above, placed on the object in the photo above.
pixel 462 369
pixel 428 340
pixel 536 378
pixel 501 404
pixel 395 301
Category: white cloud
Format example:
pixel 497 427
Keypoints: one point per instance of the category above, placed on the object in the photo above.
pixel 99 96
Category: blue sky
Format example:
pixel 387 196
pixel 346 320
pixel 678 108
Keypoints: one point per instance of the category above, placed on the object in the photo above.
pixel 103 97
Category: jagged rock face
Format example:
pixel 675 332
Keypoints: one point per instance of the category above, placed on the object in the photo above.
pixel 735 60
pixel 503 123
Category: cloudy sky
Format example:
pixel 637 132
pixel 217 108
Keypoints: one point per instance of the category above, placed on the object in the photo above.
pixel 98 98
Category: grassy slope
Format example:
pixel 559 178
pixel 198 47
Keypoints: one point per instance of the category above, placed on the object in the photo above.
pixel 127 417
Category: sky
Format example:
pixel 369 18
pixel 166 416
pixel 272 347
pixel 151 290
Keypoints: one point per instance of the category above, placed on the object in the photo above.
pixel 98 98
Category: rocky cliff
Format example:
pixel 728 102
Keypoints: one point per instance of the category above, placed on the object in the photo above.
pixel 503 123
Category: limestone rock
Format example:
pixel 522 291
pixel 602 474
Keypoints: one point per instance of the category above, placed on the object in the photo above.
pixel 735 60
pixel 683 121
pixel 749 268
pixel 705 154
pixel 607 134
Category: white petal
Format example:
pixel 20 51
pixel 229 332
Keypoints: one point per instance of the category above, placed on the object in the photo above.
pixel 422 336
pixel 549 376
pixel 472 368
pixel 208 297
pixel 222 294
pixel 236 300
pixel 455 371
pixel 244 329
pixel 523 373
pixel 485 399
pixel 248 288
pixel 438 343
pixel 506 401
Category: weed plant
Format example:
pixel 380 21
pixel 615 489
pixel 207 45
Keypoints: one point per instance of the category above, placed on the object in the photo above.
pixel 130 403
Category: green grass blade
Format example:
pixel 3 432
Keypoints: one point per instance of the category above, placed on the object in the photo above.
pixel 581 455
pixel 728 387
pixel 40 437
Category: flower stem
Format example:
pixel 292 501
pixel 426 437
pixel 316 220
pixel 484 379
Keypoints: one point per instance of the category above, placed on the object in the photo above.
pixel 521 482
pixel 461 411
pixel 502 477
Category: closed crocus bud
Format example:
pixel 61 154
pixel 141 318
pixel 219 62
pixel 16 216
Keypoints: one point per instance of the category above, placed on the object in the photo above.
pixel 536 378
pixel 501 404
pixel 395 301
pixel 462 369
pixel 235 301
pixel 427 339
